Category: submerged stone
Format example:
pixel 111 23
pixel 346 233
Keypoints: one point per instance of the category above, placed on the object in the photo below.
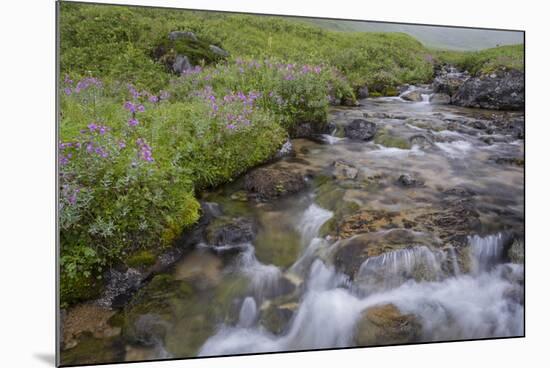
pixel 386 325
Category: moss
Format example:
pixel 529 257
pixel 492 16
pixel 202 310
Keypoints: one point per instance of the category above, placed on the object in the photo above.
pixel 387 139
pixel 81 288
pixel 391 91
pixel 142 258
pixel 329 228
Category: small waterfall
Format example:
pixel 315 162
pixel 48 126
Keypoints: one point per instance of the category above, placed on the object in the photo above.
pixel 313 218
pixel 392 269
pixel 323 277
pixel 454 260
pixel 330 139
pixel 265 279
pixel 248 313
pixel 486 252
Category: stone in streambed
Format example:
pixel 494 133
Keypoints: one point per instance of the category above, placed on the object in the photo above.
pixel 387 325
pixel 269 183
pixel 407 180
pixel 350 253
pixel 414 96
pixel 344 170
pixel 360 129
pixel 230 231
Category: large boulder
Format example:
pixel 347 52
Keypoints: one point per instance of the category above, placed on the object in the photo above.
pixel 268 182
pixel 503 89
pixel 310 130
pixel 182 50
pixel 230 231
pixel 349 254
pixel 386 325
pixel 344 170
pixel 360 129
pixel 414 95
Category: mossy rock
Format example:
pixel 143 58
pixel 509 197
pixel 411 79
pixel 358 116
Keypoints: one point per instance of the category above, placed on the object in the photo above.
pixel 196 50
pixel 276 317
pixel 391 91
pixel 142 258
pixel 387 138
pixel 385 325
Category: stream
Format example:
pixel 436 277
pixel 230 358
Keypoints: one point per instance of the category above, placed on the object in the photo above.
pixel 410 237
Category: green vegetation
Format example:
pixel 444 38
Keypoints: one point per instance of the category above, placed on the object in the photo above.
pixel 485 61
pixel 118 42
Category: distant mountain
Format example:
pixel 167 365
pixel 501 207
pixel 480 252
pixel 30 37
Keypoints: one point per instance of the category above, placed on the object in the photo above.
pixel 430 36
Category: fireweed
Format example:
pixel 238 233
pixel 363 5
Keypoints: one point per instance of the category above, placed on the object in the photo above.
pixel 293 92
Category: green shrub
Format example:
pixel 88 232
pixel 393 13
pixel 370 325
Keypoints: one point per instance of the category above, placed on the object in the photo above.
pixel 485 61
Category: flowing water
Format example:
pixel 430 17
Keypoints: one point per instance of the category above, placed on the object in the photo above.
pixel 289 288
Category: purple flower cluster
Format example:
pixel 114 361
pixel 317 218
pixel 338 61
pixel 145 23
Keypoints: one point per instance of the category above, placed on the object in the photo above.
pixel 144 150
pixel 81 86
pixel 70 194
pixel 234 109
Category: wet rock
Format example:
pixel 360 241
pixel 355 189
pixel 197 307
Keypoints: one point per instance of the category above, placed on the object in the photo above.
pixel 179 35
pixel 363 92
pixel 415 96
pixel 286 150
pixel 407 180
pixel 502 90
pixel 516 252
pixel 421 140
pixel 308 130
pixel 119 286
pixel 440 99
pixel 360 129
pixel 277 315
pixel 230 231
pixel 344 170
pixel 219 51
pixel 366 221
pixel 149 330
pixel 459 192
pixel 388 137
pixel 517 161
pixel 350 253
pixel 480 125
pixel 268 182
pixel 456 218
pixel 386 325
